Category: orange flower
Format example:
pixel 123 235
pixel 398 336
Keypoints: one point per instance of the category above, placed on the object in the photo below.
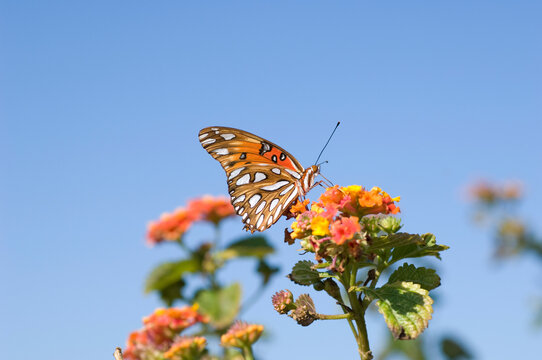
pixel 241 335
pixel 186 348
pixel 299 207
pixel 344 229
pixel 212 209
pixel 164 324
pixel 170 227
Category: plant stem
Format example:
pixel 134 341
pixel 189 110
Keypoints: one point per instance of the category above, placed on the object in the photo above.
pixel 335 317
pixel 362 339
pixel 247 353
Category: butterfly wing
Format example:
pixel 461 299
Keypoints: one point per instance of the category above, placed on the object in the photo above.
pixel 262 177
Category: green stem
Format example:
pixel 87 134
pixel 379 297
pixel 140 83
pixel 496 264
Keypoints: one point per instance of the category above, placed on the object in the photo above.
pixel 359 318
pixel 247 353
pixel 335 317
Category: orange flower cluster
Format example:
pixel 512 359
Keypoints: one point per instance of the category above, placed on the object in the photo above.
pixel 488 193
pixel 241 335
pixel 160 332
pixel 186 348
pixel 172 226
pixel 332 225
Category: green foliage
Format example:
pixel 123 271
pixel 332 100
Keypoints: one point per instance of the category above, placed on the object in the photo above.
pixel 453 349
pixel 169 273
pixel 304 274
pixel 406 308
pixel 221 305
pixel 427 278
pixel 249 246
pixel 394 241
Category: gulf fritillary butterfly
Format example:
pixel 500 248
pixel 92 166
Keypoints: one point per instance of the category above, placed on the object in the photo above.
pixel 263 178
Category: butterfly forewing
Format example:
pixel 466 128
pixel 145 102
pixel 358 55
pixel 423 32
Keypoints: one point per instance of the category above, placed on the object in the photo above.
pixel 262 177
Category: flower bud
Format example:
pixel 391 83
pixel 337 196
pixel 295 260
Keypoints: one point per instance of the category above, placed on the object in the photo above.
pixel 283 301
pixel 305 312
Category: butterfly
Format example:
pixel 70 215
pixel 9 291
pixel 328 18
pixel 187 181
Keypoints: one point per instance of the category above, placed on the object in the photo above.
pixel 263 178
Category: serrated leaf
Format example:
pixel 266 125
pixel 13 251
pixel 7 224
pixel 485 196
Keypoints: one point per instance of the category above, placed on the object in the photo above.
pixel 394 240
pixel 406 308
pixel 304 274
pixel 169 273
pixel 414 251
pixel 427 278
pixel 250 246
pixel 221 305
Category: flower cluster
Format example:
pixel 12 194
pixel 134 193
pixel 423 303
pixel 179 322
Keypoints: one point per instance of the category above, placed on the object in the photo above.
pixel 170 227
pixel 489 194
pixel 241 335
pixel 160 335
pixel 332 227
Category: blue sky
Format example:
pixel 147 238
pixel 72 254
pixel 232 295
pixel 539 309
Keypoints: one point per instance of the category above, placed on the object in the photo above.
pixel 101 103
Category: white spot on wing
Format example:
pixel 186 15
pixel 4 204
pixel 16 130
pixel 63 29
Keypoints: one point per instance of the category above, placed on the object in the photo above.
pixel 203 136
pixel 273 204
pixel 243 180
pixel 227 136
pixel 221 151
pixel 292 196
pixel 254 200
pixel 241 210
pixel 270 220
pixel 208 141
pixel 259 177
pixel 278 212
pixel 285 191
pixel 260 207
pixel 260 220
pixel 239 199
pixel 236 172
pixel 214 128
pixel 245 216
pixel 276 185
pixel 276 171
pixel 293 173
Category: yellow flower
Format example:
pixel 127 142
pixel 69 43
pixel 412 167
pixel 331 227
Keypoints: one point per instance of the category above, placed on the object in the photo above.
pixel 320 226
pixel 241 335
pixel 353 190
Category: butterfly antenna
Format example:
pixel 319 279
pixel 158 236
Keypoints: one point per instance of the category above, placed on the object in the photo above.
pixel 336 126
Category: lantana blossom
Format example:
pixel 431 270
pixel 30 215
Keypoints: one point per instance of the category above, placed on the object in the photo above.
pixel 172 226
pixel 332 227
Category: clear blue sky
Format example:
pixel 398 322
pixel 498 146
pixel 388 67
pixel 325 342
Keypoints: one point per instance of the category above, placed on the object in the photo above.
pixel 101 102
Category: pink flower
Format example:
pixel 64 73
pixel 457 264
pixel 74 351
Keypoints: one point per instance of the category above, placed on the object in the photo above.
pixel 344 229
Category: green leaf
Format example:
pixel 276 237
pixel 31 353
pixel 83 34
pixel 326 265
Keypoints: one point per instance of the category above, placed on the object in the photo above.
pixel 172 292
pixel 414 251
pixel 427 278
pixel 221 305
pixel 250 246
pixel 304 274
pixel 266 271
pixel 453 349
pixel 394 240
pixel 406 308
pixel 169 273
